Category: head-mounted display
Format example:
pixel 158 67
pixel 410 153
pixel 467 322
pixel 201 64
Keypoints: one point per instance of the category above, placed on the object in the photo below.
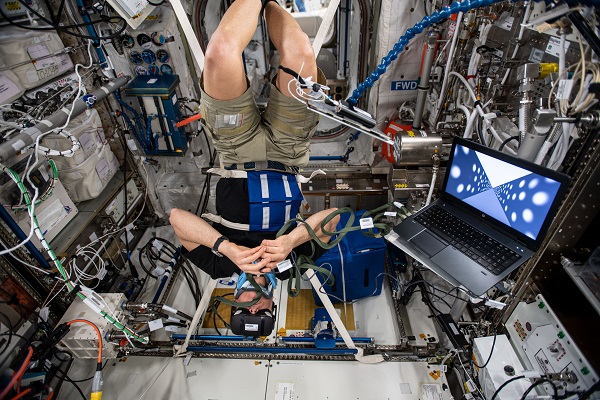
pixel 244 323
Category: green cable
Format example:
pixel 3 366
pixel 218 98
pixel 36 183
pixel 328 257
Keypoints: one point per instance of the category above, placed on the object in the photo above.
pixel 15 177
pixel 303 262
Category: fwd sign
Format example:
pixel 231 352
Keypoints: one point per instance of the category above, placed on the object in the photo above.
pixel 404 85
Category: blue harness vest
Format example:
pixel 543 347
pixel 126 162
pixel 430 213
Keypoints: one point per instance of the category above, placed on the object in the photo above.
pixel 275 198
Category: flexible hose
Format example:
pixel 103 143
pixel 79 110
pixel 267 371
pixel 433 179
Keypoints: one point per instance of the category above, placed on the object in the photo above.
pixel 17 375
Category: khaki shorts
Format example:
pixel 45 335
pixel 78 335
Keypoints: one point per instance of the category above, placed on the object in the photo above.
pixel 242 134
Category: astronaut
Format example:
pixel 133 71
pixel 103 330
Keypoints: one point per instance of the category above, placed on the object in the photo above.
pixel 260 154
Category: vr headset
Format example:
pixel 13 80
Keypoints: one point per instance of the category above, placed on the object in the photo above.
pixel 244 323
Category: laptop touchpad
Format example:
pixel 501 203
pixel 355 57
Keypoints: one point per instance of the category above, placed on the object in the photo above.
pixel 428 243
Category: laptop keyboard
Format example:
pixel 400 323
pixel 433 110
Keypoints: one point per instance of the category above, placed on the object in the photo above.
pixel 488 252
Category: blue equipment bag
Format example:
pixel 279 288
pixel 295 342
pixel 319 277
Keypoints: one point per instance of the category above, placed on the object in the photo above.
pixel 275 198
pixel 364 261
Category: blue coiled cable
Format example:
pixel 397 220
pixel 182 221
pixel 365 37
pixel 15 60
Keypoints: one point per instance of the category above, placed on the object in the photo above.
pixel 419 27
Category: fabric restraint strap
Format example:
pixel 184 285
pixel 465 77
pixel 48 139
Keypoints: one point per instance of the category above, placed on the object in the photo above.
pixel 337 321
pixel 325 25
pixel 189 33
pixel 198 316
pixel 237 173
pixel 217 219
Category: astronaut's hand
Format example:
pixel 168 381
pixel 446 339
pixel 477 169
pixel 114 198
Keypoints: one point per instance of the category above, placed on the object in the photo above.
pixel 278 249
pixel 247 259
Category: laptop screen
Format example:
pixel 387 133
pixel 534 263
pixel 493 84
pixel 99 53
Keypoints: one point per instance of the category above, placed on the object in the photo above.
pixel 514 195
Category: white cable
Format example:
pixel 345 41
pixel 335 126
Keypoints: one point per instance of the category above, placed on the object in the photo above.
pixel 36 148
pixel 435 171
pixel 450 57
pixel 116 231
pixel 526 15
pixel 25 263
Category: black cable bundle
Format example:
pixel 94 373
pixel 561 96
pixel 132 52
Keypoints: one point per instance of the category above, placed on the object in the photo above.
pixel 54 24
pixel 168 250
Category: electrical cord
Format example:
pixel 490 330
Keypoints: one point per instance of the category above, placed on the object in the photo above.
pixel 67 28
pixel 593 389
pixel 11 334
pixel 18 375
pixel 516 378
pixel 490 356
pixel 506 141
pixel 132 269
pixel 538 383
pixel 97 382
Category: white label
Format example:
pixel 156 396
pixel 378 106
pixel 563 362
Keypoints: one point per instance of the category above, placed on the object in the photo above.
pixel 155 325
pixel 536 55
pixel 129 227
pixel 44 174
pixel 8 89
pixel 44 313
pixel 18 145
pixel 157 245
pixel 494 304
pixel 187 359
pixel 554 47
pixel 51 216
pixel 174 99
pixel 87 144
pixel 158 271
pixel 131 145
pixel 339 181
pixel 431 391
pixel 171 328
pixel 251 327
pixel 284 391
pixel 507 24
pixel 151 81
pixel 366 223
pixel 453 328
pixel 102 169
pixel 390 214
pixel 564 89
pixel 38 51
pixel 93 237
pixel 471 386
pixel 169 309
pixel 422 185
pixel 284 265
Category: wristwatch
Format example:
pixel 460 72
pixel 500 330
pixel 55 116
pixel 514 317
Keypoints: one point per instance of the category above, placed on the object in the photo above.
pixel 215 248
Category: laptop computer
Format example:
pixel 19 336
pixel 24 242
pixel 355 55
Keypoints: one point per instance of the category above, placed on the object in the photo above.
pixel 492 214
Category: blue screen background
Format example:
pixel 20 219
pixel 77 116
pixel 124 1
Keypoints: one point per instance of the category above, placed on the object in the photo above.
pixel 512 195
